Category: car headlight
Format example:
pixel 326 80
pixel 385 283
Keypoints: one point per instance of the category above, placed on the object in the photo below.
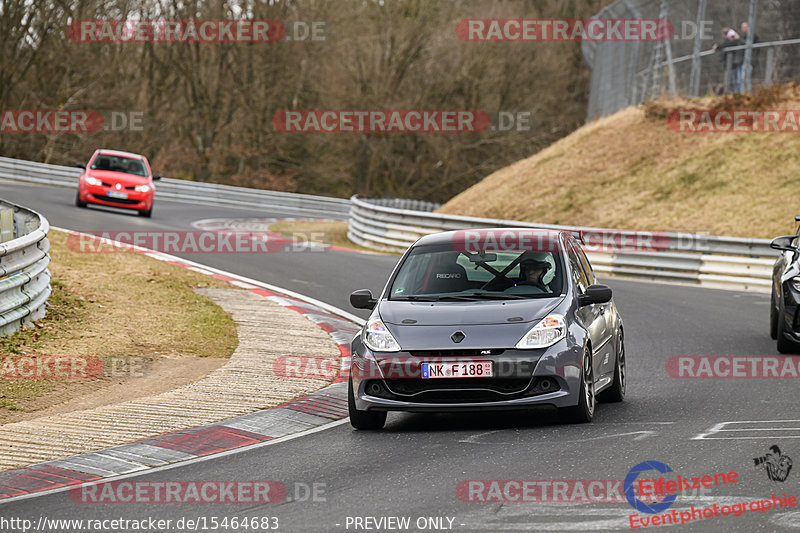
pixel 547 332
pixel 378 338
pixel 93 181
pixel 142 188
pixel 795 282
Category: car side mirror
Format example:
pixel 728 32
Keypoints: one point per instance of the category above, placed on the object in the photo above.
pixel 595 294
pixel 157 177
pixel 362 299
pixel 81 165
pixel 783 243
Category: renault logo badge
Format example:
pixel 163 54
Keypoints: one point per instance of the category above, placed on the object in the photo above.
pixel 458 336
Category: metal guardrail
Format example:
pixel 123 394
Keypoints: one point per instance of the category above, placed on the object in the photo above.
pixel 404 203
pixel 24 278
pixel 190 191
pixel 707 260
pixel 394 224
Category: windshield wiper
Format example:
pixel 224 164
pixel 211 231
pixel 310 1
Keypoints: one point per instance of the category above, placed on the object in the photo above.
pixel 482 295
pixel 470 296
pixel 499 296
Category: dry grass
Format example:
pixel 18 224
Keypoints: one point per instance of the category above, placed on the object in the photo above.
pixel 324 231
pixel 631 171
pixel 127 309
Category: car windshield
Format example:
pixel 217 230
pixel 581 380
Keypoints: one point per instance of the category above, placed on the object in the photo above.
pixel 117 163
pixel 446 274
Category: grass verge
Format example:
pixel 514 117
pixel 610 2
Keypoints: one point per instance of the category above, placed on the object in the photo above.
pixel 126 309
pixel 331 232
pixel 630 170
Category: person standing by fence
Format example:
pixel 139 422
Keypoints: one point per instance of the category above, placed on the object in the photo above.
pixel 730 39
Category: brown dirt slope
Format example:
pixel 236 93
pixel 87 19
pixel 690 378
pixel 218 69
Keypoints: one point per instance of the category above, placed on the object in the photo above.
pixel 630 171
pixel 141 317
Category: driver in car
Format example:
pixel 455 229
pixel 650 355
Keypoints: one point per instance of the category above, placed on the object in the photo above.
pixel 533 271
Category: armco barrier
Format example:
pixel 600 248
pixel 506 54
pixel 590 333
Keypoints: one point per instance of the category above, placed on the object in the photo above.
pixel 24 278
pixel 190 191
pixel 394 224
pixel 708 260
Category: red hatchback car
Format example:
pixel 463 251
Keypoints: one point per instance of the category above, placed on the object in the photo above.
pixel 117 179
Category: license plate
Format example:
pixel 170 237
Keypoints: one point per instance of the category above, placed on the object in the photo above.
pixel 457 370
pixel 115 194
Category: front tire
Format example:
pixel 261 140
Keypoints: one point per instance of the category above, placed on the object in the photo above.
pixel 584 411
pixel 785 345
pixel 363 419
pixel 78 201
pixel 616 392
pixel 146 213
pixel 773 317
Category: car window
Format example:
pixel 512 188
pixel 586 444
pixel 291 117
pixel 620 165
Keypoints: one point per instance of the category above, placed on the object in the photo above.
pixel 576 269
pixel 476 273
pixel 119 164
pixel 587 266
pixel 412 275
pixel 445 271
pixel 473 274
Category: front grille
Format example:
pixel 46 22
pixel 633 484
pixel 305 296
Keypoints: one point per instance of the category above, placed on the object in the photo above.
pixel 455 390
pixel 416 386
pixel 470 396
pixel 125 201
pixel 456 353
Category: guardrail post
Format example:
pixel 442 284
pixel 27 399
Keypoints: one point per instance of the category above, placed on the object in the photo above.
pixel 6 224
pixel 694 76
pixel 770 67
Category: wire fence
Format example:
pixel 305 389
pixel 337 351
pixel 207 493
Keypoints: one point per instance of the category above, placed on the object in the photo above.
pixel 698 58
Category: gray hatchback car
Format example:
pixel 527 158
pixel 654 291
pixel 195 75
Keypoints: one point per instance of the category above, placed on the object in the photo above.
pixel 471 320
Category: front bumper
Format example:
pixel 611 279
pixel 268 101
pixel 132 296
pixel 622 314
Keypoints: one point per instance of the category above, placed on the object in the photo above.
pixel 521 379
pixel 98 194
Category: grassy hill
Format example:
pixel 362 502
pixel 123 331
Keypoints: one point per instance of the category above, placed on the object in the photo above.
pixel 631 171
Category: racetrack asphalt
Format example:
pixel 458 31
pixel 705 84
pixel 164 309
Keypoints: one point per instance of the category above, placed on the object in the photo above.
pixel 415 467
